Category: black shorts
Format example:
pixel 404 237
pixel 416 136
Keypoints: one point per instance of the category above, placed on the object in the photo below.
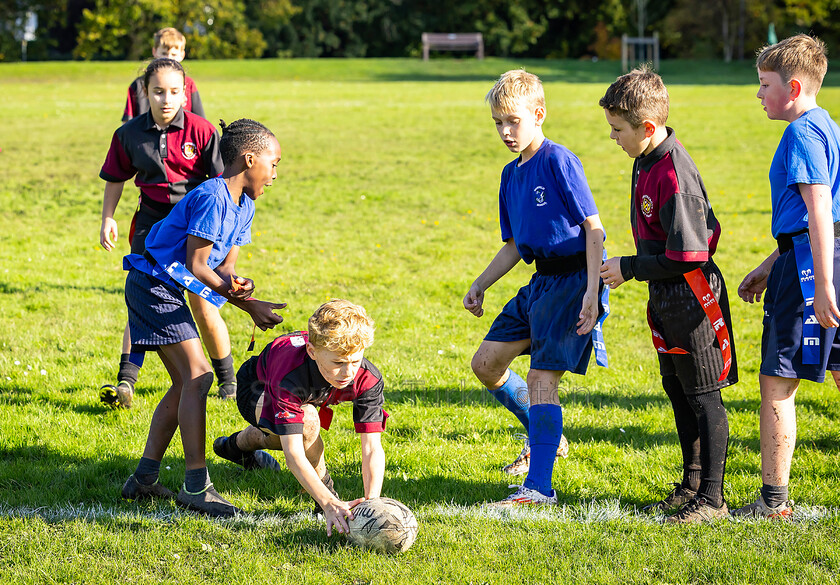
pixel 144 218
pixel 249 390
pixel 679 317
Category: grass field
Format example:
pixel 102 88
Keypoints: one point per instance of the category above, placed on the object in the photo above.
pixel 387 196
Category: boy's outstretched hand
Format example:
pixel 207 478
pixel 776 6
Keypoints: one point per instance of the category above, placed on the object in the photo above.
pixel 336 514
pixel 262 312
pixel 474 300
pixel 611 272
pixel 753 285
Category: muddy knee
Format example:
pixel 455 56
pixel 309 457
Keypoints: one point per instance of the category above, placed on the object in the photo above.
pixel 204 382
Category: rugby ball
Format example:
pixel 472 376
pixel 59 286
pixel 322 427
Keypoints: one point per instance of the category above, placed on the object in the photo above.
pixel 384 525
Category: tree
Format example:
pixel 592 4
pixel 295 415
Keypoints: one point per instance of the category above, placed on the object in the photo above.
pixel 123 29
pixel 13 15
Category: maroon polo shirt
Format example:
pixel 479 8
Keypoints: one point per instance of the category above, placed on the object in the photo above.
pixel 292 379
pixel 671 217
pixel 165 164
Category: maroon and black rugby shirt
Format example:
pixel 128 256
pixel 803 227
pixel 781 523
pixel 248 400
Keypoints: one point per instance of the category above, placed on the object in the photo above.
pixel 137 102
pixel 671 217
pixel 167 163
pixel 291 379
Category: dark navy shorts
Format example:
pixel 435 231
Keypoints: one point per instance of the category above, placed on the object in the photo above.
pixel 781 340
pixel 158 313
pixel 546 311
pixel 678 316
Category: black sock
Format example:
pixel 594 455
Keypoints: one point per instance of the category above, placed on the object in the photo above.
pixel 687 432
pixel 128 371
pixel 196 480
pixel 713 426
pixel 774 495
pixel 232 449
pixel 225 373
pixel 147 471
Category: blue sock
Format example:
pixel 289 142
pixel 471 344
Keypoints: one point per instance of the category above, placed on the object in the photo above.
pixel 147 471
pixel 196 480
pixel 513 395
pixel 544 434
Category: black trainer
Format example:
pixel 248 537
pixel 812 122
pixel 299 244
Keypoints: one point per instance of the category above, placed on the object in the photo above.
pixel 134 490
pixel 678 497
pixel 227 391
pixel 207 502
pixel 248 459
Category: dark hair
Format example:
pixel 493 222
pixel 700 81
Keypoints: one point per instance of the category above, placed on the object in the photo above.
pixel 160 65
pixel 242 136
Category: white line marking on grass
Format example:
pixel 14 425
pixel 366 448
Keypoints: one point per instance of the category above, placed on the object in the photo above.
pixel 591 512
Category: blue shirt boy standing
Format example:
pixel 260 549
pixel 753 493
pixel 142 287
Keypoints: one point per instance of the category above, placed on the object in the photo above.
pixel 548 216
pixel 802 276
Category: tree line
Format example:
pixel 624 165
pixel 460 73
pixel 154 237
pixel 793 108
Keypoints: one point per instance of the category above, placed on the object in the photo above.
pixel 123 29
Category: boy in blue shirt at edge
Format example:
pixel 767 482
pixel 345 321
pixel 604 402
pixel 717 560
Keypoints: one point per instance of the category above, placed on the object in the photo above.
pixel 547 216
pixel 799 339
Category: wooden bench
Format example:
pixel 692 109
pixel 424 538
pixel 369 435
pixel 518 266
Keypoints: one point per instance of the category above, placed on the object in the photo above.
pixel 453 42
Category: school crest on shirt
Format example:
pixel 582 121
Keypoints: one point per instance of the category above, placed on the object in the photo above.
pixel 647 206
pixel 539 196
pixel 189 150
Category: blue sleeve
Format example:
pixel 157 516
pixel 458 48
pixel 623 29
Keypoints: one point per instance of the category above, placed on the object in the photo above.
pixel 573 188
pixel 504 218
pixel 806 157
pixel 206 217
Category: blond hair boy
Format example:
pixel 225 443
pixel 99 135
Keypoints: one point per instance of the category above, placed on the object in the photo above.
pixel 280 391
pixel 676 235
pixel 548 217
pixel 169 43
pixel 800 337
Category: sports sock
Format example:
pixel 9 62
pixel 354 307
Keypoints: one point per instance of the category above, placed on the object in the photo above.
pixel 713 427
pixel 130 364
pixel 774 495
pixel 147 471
pixel 513 395
pixel 196 480
pixel 687 431
pixel 544 434
pixel 224 370
pixel 232 449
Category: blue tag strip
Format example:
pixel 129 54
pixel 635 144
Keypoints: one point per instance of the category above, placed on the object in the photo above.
pixel 810 326
pixel 598 333
pixel 186 279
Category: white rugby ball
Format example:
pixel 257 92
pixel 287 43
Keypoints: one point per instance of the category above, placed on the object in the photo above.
pixel 384 525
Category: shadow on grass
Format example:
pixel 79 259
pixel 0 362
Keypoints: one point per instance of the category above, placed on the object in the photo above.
pixel 44 287
pixel 673 71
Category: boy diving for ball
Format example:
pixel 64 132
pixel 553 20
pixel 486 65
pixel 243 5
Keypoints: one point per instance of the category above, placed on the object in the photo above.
pixel 280 389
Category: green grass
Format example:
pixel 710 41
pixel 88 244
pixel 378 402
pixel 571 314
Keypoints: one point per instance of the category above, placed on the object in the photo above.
pixel 386 196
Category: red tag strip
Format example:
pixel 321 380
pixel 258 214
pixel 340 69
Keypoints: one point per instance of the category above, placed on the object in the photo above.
pixel 700 287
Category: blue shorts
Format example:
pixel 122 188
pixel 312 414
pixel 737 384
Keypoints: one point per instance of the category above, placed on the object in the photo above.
pixel 546 311
pixel 157 312
pixel 781 341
